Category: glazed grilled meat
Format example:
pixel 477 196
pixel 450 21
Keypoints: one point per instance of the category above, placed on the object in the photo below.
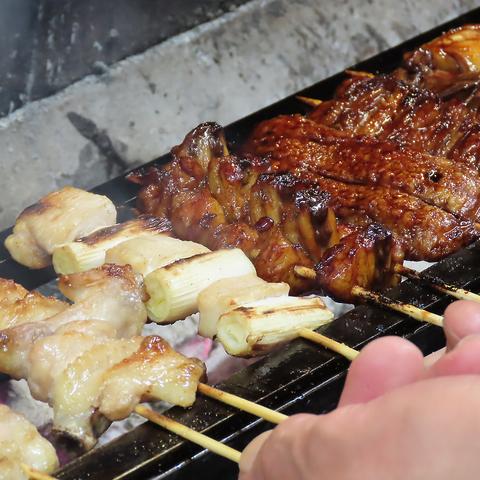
pixel 448 65
pixel 303 147
pixel 390 109
pixel 368 253
pixel 279 220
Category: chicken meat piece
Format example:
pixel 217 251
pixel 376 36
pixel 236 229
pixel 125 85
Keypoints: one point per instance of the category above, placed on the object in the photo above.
pixel 57 218
pixel 392 110
pixel 18 305
pixel 448 65
pixel 50 355
pixel 424 232
pixel 302 147
pixel 365 258
pixel 20 443
pixel 111 294
pixel 106 383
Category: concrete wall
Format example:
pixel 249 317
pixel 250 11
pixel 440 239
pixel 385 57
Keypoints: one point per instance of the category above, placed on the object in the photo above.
pixel 222 70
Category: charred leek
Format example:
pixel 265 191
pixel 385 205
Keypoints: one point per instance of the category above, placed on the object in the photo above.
pixel 146 254
pixel 227 294
pixel 89 252
pixel 174 289
pixel 257 327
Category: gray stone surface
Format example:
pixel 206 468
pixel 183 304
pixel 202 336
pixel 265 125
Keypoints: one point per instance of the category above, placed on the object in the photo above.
pixel 219 71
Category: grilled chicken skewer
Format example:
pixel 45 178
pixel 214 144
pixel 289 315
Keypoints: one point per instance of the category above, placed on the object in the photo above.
pixel 279 221
pixel 20 443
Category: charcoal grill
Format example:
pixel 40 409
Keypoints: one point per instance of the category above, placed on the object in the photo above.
pixel 300 377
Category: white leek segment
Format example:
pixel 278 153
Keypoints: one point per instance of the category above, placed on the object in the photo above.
pixel 174 289
pixel 257 327
pixel 146 254
pixel 89 252
pixel 229 293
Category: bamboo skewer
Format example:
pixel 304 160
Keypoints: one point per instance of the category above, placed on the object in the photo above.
pixel 340 348
pixel 305 272
pixel 437 284
pixel 187 433
pixel 407 309
pixel 35 474
pixel 242 404
pixel 359 73
pixel 312 102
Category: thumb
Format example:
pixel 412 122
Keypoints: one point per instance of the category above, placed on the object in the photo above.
pixel 249 455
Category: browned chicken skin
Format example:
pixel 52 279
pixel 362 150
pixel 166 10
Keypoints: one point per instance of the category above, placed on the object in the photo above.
pixel 448 65
pixel 390 109
pixel 279 220
pixel 301 146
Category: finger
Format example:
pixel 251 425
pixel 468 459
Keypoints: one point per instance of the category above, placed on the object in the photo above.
pixel 384 364
pixel 463 360
pixel 250 452
pixel 461 319
pixel 434 357
pixel 280 454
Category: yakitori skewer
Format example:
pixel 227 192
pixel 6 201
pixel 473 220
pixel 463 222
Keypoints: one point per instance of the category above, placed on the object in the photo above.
pixel 405 308
pixel 437 284
pixel 312 102
pixel 35 474
pixel 185 432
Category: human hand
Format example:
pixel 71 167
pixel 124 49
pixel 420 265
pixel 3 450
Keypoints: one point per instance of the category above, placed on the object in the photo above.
pixel 395 419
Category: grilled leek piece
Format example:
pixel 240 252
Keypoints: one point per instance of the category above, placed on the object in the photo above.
pixel 57 218
pixel 148 253
pixel 229 293
pixel 258 327
pixel 89 252
pixel 174 289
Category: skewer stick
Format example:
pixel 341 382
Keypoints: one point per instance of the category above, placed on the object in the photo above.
pixel 185 432
pixel 313 102
pixel 242 404
pixel 437 284
pixel 35 474
pixel 305 272
pixel 407 309
pixel 359 73
pixel 348 352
